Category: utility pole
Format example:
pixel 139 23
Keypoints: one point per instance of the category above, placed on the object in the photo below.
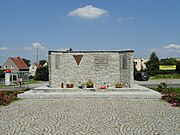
pixel 37 55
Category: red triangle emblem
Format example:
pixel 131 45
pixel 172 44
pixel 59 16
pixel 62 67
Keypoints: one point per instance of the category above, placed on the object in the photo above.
pixel 78 58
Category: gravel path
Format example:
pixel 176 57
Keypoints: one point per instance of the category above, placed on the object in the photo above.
pixel 89 116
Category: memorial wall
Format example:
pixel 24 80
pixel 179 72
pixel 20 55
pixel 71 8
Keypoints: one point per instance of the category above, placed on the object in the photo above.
pixel 102 67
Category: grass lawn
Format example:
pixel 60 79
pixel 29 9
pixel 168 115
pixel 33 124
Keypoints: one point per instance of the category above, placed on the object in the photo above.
pixel 32 81
pixel 166 76
pixel 172 90
pixel 29 82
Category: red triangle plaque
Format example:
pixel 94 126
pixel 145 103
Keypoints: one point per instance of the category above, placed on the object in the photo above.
pixel 78 58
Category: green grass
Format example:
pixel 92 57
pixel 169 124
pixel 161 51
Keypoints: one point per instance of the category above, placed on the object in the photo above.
pixel 172 90
pixel 2 86
pixel 29 82
pixel 32 82
pixel 166 76
pixel 8 92
pixel 176 90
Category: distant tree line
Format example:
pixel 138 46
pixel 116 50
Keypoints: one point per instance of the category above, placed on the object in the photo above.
pixel 152 66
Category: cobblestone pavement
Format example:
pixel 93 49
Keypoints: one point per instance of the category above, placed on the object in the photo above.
pixel 89 116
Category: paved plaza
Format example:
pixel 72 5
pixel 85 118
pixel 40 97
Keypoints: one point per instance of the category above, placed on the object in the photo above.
pixel 89 116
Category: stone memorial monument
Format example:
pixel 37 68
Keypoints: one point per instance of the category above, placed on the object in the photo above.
pixel 101 67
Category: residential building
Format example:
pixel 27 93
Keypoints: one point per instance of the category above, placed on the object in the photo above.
pixel 18 68
pixel 32 69
pixel 140 63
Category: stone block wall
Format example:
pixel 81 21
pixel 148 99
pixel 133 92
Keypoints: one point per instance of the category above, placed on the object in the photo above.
pixel 102 67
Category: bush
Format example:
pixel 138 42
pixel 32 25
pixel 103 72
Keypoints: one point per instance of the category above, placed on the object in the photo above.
pixel 7 97
pixel 1 73
pixel 42 73
pixel 31 77
pixel 172 98
pixel 163 88
pixel 169 94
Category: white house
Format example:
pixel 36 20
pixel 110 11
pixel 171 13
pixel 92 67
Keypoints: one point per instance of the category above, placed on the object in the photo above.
pixel 140 63
pixel 32 69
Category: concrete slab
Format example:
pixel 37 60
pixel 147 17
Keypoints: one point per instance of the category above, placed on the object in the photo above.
pixel 137 92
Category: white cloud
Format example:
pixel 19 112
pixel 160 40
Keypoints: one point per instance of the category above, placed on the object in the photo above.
pixel 171 50
pixel 88 12
pixel 39 46
pixel 34 46
pixel 172 46
pixel 3 48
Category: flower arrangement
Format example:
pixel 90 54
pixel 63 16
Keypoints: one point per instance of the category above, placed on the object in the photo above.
pixel 69 85
pixel 119 85
pixel 89 83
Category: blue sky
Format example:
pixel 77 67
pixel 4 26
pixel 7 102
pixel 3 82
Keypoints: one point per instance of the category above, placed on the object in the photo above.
pixel 141 25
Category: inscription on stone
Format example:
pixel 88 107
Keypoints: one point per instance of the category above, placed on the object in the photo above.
pixel 101 60
pixel 57 61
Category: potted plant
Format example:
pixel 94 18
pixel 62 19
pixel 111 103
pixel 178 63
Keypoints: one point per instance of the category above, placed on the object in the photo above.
pixel 119 85
pixel 89 84
pixel 103 86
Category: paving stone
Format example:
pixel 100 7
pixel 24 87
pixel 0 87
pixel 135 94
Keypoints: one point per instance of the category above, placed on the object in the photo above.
pixel 89 116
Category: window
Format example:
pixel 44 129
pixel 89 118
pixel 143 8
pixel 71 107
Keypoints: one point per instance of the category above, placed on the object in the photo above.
pixel 12 67
pixel 33 69
pixel 5 67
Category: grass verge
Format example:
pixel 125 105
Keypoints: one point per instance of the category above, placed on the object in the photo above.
pixel 166 76
pixel 171 90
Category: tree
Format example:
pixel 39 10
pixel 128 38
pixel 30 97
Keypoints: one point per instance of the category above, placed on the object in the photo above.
pixel 168 61
pixel 26 61
pixel 154 57
pixel 153 64
pixel 1 73
pixel 178 67
pixel 42 73
pixel 42 62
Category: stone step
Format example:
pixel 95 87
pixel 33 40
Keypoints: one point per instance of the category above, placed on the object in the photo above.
pixel 138 92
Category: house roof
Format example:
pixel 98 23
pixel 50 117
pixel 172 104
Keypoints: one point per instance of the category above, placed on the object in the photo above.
pixel 19 63
pixel 37 65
